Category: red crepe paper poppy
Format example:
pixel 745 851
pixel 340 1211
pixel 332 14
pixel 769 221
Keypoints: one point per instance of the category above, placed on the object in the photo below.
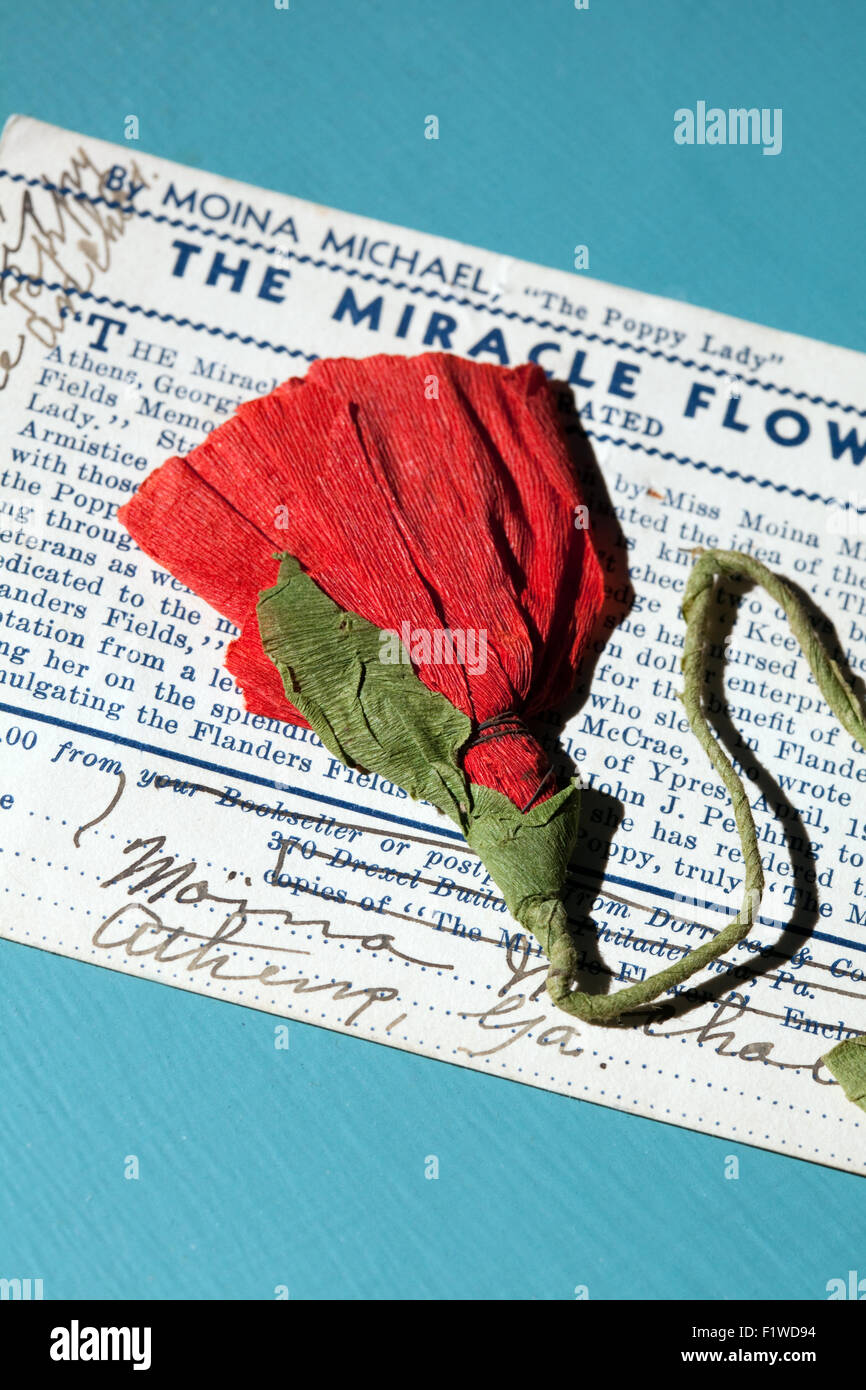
pixel 426 494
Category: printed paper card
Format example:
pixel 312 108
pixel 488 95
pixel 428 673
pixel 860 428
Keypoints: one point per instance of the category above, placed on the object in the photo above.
pixel 150 824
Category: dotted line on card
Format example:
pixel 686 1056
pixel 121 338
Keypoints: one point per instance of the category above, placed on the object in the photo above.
pixel 200 327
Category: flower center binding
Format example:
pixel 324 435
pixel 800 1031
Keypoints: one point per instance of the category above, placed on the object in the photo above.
pixel 508 723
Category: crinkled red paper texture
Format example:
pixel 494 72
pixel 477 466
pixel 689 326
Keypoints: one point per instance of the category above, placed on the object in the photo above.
pixel 429 490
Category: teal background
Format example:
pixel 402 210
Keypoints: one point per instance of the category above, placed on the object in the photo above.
pixel 306 1167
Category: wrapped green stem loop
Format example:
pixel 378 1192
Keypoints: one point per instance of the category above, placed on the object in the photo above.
pixel 697 608
pixel 847 1061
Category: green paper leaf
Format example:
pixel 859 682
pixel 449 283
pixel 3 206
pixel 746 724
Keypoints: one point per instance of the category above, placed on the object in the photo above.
pixel 380 717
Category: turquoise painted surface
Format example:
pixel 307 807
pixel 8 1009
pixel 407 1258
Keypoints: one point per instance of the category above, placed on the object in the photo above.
pixel 306 1167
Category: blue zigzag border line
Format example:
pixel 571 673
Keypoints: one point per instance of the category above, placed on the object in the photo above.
pixel 228 333
pixel 354 272
pixel 717 468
